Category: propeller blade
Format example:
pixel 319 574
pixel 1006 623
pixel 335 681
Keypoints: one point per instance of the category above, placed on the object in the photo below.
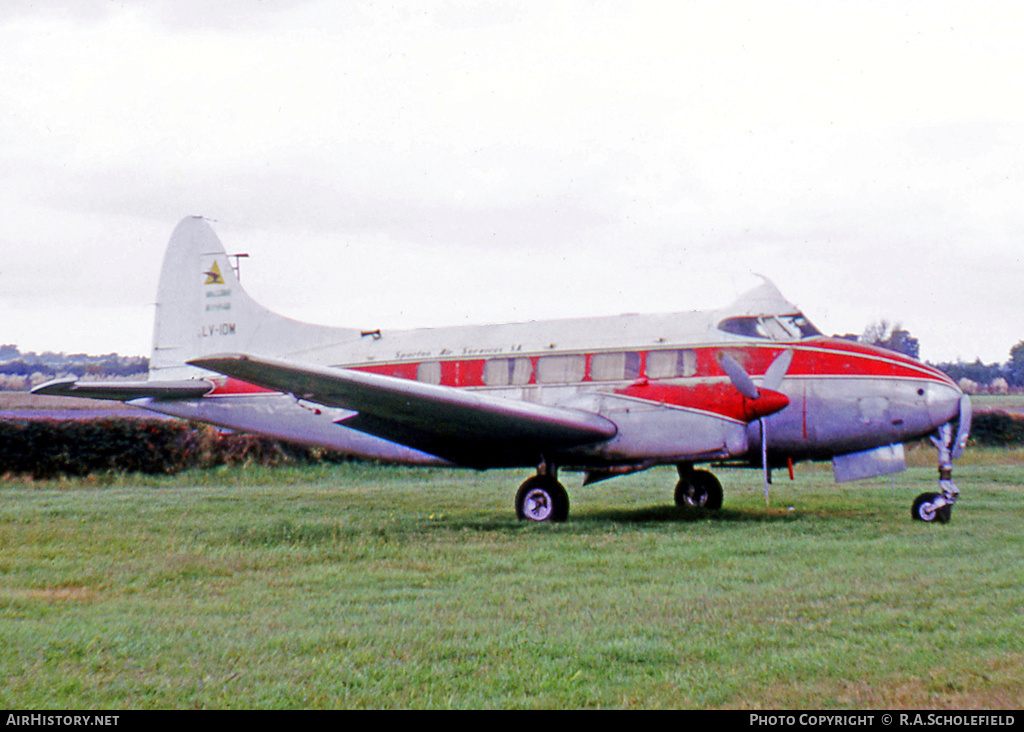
pixel 777 370
pixel 740 378
pixel 764 458
pixel 771 382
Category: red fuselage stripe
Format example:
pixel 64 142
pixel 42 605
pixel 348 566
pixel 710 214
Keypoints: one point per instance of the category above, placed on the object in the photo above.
pixel 822 358
pixel 818 358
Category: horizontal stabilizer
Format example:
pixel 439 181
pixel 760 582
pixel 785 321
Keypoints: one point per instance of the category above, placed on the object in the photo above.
pixel 464 426
pixel 125 391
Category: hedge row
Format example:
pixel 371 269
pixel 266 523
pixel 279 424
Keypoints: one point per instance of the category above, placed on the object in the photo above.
pixel 998 429
pixel 49 448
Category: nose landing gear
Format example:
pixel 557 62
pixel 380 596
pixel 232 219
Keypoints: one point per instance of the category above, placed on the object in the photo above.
pixel 938 507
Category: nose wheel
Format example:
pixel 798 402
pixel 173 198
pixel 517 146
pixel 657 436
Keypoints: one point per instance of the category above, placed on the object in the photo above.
pixel 930 507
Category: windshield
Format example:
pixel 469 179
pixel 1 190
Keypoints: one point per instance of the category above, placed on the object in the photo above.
pixel 773 327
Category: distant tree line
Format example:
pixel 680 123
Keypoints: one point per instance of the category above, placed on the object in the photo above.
pixel 995 378
pixel 884 334
pixel 22 371
pixel 973 377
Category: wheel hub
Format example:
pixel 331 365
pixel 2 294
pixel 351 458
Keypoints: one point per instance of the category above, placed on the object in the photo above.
pixel 537 505
pixel 695 497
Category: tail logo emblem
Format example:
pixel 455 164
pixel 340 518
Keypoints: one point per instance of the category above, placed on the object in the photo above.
pixel 213 276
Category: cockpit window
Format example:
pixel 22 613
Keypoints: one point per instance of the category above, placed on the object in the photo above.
pixel 772 327
pixel 800 326
pixel 746 327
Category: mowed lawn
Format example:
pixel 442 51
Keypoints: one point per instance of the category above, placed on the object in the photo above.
pixel 366 586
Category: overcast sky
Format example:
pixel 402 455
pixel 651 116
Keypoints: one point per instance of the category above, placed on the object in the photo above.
pixel 398 164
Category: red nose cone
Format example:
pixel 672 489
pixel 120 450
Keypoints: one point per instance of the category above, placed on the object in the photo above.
pixel 767 402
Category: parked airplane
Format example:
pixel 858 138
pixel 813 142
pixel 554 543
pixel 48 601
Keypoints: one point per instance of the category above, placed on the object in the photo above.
pixel 753 384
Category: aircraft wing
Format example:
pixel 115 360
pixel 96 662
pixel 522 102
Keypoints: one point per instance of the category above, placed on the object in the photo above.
pixel 467 427
pixel 125 391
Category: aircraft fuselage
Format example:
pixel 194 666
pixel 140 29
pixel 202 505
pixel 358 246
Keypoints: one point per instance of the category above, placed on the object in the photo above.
pixel 671 401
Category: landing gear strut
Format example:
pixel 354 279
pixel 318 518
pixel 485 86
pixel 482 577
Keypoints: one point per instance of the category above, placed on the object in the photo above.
pixel 542 498
pixel 698 489
pixel 938 507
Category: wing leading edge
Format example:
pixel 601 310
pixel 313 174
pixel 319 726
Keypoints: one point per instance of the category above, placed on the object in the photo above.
pixel 125 391
pixel 466 427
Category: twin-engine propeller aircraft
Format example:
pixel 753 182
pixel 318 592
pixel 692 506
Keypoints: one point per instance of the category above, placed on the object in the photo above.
pixel 752 384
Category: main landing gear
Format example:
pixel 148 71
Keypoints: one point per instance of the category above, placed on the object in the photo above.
pixel 542 497
pixel 698 489
pixel 938 507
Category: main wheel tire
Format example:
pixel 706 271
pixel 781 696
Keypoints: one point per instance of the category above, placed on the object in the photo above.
pixel 699 489
pixel 922 510
pixel 542 498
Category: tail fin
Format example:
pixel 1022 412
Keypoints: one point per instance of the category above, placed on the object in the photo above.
pixel 202 310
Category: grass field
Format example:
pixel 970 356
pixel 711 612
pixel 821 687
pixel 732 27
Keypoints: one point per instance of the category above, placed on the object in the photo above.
pixel 363 586
pixel 1013 403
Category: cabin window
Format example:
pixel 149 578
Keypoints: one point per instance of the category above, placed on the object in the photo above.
pixel 561 369
pixel 507 371
pixel 429 372
pixel 671 363
pixel 614 366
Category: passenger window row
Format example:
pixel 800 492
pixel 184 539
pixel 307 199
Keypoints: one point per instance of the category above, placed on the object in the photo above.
pixel 572 368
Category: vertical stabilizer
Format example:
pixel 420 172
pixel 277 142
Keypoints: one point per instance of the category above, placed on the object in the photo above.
pixel 201 309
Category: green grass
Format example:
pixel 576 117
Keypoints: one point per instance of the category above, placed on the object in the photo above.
pixel 361 586
pixel 1009 402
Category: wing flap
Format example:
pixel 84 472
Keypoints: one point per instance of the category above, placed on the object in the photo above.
pixel 125 391
pixel 457 424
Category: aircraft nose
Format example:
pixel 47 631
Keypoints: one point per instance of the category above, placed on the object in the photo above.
pixel 942 402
